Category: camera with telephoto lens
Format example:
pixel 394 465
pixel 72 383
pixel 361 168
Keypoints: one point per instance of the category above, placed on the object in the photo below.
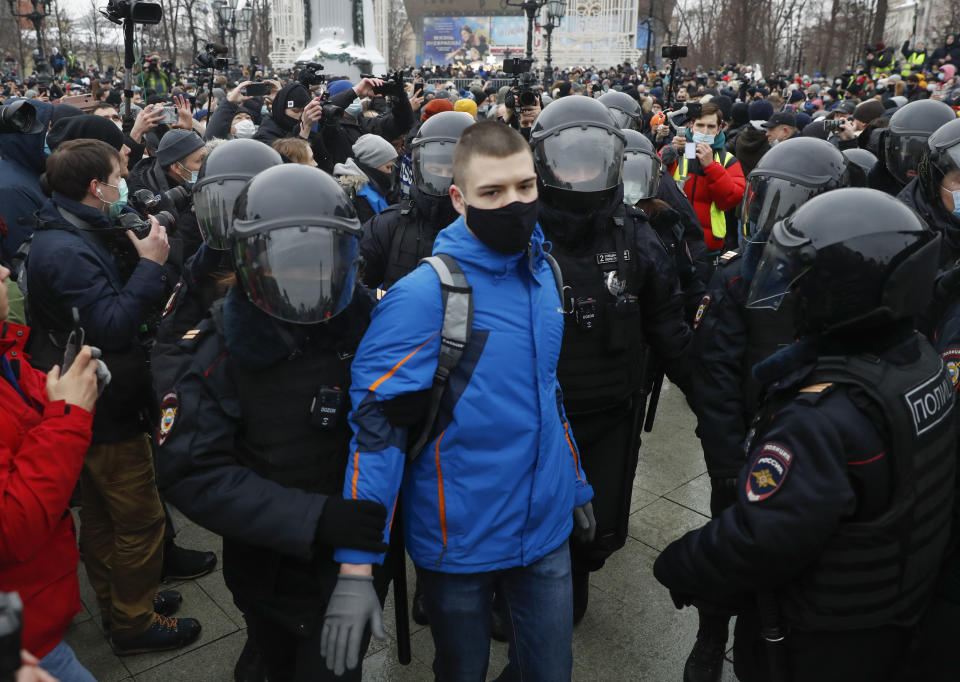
pixel 148 203
pixel 209 58
pixel 673 51
pixel 141 226
pixel 11 626
pixel 833 126
pixel 308 73
pixel 136 11
pixel 392 84
pixel 19 117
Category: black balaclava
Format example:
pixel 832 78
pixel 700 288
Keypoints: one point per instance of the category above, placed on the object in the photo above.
pixel 290 96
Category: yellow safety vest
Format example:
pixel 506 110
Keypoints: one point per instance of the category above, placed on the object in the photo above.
pixel 915 59
pixel 718 219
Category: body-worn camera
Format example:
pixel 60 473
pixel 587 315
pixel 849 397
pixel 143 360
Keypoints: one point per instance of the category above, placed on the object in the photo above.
pixel 392 84
pixel 673 51
pixel 308 73
pixel 11 625
pixel 326 407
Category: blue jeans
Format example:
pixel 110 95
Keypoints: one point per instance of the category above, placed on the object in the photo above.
pixel 539 604
pixel 62 663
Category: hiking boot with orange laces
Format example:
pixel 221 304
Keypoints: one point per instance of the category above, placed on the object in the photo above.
pixel 165 633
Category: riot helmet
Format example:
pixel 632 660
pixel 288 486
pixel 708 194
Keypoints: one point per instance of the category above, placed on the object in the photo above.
pixel 577 152
pixel 861 162
pixel 432 151
pixel 786 177
pixel 624 109
pixel 905 139
pixel 224 173
pixel 296 251
pixel 853 259
pixel 939 169
pixel 641 168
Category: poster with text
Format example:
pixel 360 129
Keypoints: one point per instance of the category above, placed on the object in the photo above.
pixel 455 39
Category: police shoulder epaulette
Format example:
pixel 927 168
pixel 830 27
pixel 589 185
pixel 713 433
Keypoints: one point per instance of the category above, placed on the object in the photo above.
pixel 191 338
pixel 816 388
pixel 728 256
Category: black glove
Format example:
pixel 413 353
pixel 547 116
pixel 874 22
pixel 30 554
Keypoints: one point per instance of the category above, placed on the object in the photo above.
pixel 353 524
pixel 680 600
pixel 723 494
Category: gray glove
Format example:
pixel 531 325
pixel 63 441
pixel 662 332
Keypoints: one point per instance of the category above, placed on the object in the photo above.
pixel 352 605
pixel 74 344
pixel 103 372
pixel 584 523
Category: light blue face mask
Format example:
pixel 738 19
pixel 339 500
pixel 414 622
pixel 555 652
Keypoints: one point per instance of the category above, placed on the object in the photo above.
pixel 703 137
pixel 193 175
pixel 116 207
pixel 46 148
pixel 355 108
pixel 264 110
pixel 956 201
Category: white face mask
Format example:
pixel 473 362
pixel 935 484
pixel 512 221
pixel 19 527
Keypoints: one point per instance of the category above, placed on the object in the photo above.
pixel 245 128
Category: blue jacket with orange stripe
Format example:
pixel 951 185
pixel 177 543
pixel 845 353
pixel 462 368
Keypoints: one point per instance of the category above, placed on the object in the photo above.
pixel 496 485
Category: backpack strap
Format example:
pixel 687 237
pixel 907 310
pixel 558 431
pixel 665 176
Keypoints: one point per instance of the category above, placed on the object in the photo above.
pixel 454 336
pixel 557 275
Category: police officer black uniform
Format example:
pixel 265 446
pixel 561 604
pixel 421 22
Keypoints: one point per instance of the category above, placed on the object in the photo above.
pixel 395 240
pixel 620 291
pixel 253 434
pixel 843 511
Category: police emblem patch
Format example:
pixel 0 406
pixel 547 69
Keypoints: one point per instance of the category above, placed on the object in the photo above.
pixel 951 357
pixel 169 404
pixel 173 298
pixel 704 304
pixel 768 472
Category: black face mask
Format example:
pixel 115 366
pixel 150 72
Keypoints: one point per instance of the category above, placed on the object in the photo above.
pixel 507 229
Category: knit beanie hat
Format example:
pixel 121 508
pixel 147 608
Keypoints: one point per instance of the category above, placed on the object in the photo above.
pixel 467 105
pixel 373 151
pixel 177 144
pixel 435 107
pixel 336 87
pixel 869 110
pixel 760 110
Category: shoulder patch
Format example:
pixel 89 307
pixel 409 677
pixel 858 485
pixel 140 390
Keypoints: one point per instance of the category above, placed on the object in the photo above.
pixel 816 388
pixel 172 300
pixel 768 472
pixel 951 358
pixel 169 404
pixel 704 304
pixel 930 402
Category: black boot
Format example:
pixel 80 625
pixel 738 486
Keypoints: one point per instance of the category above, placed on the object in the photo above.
pixel 581 594
pixel 249 667
pixel 185 564
pixel 419 611
pixel 499 622
pixel 705 662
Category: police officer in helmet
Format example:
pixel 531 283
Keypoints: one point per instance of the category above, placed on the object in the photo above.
pixel 730 339
pixel 843 511
pixel 395 240
pixel 620 290
pixel 904 141
pixel 625 109
pixel 254 439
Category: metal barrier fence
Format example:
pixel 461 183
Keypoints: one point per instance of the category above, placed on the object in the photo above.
pixel 464 83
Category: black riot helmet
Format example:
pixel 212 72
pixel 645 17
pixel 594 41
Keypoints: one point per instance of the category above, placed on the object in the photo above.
pixel 432 151
pixel 788 176
pixel 641 168
pixel 225 171
pixel 624 108
pixel 852 260
pixel 862 162
pixel 940 160
pixel 905 139
pixel 295 244
pixel 577 152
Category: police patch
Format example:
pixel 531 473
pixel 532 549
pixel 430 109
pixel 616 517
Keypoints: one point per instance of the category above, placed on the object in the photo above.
pixel 704 304
pixel 169 404
pixel 768 472
pixel 173 298
pixel 930 402
pixel 951 357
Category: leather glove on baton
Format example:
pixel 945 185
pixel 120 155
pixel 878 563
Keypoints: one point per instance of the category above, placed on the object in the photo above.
pixel 584 523
pixel 352 605
pixel 353 524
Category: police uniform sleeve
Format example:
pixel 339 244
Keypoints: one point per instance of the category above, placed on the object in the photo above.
pixel 396 359
pixel 375 247
pixel 199 472
pixel 790 500
pixel 716 362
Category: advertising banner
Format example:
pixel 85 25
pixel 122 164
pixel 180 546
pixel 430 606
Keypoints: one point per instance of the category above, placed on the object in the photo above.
pixel 472 39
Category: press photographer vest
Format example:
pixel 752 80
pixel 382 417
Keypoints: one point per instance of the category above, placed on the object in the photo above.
pixel 718 219
pixel 601 360
pixel 881 572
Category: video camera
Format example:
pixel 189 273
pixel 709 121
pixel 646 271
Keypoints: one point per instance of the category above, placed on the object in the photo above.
pixel 392 84
pixel 135 11
pixel 308 73
pixel 11 626
pixel 520 94
pixel 673 51
pixel 209 58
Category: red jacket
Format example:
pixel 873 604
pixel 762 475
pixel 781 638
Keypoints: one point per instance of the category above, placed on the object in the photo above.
pixel 42 446
pixel 718 185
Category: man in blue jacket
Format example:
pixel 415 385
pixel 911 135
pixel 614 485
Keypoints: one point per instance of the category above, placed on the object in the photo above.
pixel 491 501
pixel 21 163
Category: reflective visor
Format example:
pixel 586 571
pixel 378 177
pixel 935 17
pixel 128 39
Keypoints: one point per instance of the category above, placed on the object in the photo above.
pixel 903 155
pixel 623 119
pixel 580 158
pixel 641 176
pixel 769 199
pixel 433 167
pixel 213 202
pixel 948 159
pixel 779 269
pixel 298 274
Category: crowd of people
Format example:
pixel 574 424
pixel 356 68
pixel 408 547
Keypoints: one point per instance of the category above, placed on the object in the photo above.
pixel 338 323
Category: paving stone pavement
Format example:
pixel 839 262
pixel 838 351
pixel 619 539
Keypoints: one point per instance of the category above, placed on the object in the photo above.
pixel 631 631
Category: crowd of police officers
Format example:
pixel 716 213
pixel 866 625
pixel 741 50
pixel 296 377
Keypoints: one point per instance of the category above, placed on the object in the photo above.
pixel 820 358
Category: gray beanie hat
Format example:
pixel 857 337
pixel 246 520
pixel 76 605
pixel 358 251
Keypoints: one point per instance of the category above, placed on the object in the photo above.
pixel 373 151
pixel 177 144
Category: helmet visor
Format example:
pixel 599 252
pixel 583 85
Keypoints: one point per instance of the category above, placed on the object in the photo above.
pixel 947 160
pixel 299 274
pixel 623 119
pixel 641 177
pixel 769 199
pixel 780 267
pixel 580 159
pixel 903 155
pixel 213 202
pixel 433 167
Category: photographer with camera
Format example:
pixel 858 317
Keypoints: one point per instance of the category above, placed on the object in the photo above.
pixel 80 259
pixel 293 113
pixel 153 77
pixel 522 103
pixel 227 120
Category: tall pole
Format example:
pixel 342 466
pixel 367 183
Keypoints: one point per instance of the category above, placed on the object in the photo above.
pixel 531 6
pixel 548 73
pixel 649 26
pixel 233 34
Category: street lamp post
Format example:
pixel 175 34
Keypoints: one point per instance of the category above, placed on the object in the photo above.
pixel 36 18
pixel 531 7
pixel 556 10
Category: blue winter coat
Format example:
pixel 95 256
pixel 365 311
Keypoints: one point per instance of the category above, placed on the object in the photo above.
pixel 21 163
pixel 496 487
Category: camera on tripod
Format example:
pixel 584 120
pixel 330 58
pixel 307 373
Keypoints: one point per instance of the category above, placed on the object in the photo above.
pixel 209 58
pixel 135 11
pixel 392 84
pixel 308 73
pixel 673 51
pixel 521 94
